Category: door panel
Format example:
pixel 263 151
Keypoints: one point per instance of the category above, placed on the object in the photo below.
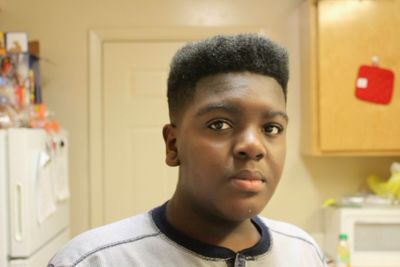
pixel 350 33
pixel 136 178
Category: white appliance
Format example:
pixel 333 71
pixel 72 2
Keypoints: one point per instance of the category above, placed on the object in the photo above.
pixel 34 196
pixel 373 234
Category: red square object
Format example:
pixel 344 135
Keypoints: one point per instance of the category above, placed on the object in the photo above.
pixel 374 84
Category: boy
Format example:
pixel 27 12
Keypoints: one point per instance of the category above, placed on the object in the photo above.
pixel 227 134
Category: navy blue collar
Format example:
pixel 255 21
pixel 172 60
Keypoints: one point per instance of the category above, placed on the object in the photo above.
pixel 160 219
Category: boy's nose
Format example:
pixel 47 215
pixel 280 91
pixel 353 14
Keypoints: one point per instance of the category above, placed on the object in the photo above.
pixel 250 145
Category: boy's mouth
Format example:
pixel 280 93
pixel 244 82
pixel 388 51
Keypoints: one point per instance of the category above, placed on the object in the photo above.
pixel 250 181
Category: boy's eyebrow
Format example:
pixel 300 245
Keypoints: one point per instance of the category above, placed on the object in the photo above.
pixel 271 114
pixel 236 110
pixel 218 106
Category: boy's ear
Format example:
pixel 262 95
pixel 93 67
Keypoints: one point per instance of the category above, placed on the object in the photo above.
pixel 169 134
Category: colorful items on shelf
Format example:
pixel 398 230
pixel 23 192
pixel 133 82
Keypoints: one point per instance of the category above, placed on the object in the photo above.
pixel 21 102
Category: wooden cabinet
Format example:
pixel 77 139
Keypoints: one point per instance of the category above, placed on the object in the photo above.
pixel 337 37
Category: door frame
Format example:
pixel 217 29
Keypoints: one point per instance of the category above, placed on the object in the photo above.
pixel 97 38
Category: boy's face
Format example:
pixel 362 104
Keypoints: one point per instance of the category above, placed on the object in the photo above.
pixel 230 143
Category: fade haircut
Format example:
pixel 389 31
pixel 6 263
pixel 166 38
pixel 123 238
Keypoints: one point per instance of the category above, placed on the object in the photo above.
pixel 223 54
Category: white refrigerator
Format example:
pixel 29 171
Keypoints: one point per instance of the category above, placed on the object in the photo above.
pixel 34 196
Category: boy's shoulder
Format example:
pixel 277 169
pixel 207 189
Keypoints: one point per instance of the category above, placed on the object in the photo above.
pixel 128 230
pixel 281 228
pixel 285 236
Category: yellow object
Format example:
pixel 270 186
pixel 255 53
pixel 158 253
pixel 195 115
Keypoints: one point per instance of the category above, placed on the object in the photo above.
pixel 389 188
pixel 329 202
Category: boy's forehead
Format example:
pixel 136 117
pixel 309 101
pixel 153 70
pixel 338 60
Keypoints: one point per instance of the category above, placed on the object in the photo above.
pixel 229 86
pixel 233 82
pixel 225 91
pixel 222 82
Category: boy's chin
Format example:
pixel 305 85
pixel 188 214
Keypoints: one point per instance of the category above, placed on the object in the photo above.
pixel 242 213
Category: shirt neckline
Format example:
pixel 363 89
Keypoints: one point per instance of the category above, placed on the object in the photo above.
pixel 212 251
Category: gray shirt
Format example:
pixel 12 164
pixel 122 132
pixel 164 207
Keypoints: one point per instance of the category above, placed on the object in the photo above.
pixel 149 240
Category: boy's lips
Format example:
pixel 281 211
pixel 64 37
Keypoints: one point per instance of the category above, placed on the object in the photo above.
pixel 251 181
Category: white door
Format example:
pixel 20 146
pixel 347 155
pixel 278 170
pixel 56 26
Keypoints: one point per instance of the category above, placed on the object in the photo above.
pixel 134 111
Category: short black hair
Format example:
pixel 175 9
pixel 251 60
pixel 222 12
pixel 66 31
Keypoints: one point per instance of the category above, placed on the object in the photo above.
pixel 222 54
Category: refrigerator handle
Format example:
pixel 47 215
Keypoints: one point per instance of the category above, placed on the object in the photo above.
pixel 18 212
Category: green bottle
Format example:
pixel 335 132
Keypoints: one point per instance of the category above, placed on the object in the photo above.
pixel 343 252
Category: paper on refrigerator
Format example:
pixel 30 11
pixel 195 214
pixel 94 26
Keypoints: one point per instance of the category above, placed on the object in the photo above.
pixel 46 202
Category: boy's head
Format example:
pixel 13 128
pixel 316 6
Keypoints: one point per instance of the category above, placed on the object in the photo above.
pixel 227 100
pixel 222 54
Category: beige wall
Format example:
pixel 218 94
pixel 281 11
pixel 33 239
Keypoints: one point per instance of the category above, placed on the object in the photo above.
pixel 62 28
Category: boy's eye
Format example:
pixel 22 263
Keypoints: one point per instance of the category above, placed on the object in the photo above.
pixel 219 125
pixel 273 129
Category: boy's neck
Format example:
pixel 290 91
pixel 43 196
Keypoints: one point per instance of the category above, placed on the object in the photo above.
pixel 236 236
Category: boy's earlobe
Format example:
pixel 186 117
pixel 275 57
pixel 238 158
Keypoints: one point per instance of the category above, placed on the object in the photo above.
pixel 169 134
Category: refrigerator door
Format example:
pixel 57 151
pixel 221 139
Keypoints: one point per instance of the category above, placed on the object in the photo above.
pixel 36 214
pixel 3 200
pixel 42 257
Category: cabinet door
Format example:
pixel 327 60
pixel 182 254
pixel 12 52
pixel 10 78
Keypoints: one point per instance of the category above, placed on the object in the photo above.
pixel 349 34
